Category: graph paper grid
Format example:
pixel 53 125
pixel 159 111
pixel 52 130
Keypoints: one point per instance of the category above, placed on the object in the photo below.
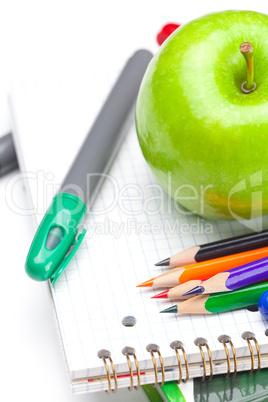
pixel 132 225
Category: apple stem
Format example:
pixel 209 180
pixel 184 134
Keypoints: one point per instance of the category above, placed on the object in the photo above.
pixel 247 51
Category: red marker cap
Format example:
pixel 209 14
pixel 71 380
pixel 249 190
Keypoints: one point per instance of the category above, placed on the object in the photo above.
pixel 167 30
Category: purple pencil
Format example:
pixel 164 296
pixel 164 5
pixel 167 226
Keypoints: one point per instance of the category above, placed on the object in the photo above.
pixel 236 278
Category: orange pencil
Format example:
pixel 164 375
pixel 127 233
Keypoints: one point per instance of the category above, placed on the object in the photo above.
pixel 204 270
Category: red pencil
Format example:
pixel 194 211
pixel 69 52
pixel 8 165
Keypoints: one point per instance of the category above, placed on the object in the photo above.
pixel 178 291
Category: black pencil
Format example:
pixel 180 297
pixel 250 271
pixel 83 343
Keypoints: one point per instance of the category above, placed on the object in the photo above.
pixel 217 249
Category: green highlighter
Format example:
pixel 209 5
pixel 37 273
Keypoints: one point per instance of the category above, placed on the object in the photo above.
pixel 58 236
pixel 169 392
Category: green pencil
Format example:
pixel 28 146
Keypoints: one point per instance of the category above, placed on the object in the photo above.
pixel 219 302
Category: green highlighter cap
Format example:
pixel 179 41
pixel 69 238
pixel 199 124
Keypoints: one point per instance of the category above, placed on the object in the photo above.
pixel 56 240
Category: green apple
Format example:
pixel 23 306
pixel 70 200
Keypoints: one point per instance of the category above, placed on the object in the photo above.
pixel 203 137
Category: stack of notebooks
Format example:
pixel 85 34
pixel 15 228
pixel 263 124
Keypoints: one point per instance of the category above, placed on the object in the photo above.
pixel 132 225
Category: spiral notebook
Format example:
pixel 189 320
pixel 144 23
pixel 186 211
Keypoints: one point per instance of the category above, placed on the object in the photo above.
pixel 132 225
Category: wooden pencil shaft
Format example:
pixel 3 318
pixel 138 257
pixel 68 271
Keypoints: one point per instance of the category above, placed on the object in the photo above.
pixel 168 279
pixel 226 301
pixel 233 245
pixel 207 269
pixel 237 299
pixel 216 284
pixel 217 249
pixel 185 257
pixel 236 278
pixel 178 291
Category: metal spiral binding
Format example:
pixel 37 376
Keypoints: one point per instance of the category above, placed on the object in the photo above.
pixel 128 351
pixel 152 348
pixel 226 339
pixel 176 345
pixel 203 342
pixel 105 354
pixel 249 336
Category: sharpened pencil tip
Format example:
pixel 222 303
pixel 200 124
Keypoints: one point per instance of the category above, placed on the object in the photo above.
pixel 163 263
pixel 172 309
pixel 198 290
pixel 163 295
pixel 148 283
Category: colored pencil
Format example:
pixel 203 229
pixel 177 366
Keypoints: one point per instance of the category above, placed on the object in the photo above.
pixel 204 270
pixel 178 291
pixel 220 302
pixel 217 249
pixel 236 278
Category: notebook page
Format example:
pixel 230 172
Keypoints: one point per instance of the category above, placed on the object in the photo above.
pixel 132 225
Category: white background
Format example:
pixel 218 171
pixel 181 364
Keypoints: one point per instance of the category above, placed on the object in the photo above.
pixel 47 37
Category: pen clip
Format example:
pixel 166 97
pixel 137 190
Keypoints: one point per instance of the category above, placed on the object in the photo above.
pixel 71 252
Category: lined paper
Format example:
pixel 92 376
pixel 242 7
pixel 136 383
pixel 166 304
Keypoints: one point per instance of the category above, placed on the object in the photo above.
pixel 132 225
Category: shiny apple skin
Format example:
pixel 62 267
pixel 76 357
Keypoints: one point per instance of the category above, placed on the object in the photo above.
pixel 206 141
